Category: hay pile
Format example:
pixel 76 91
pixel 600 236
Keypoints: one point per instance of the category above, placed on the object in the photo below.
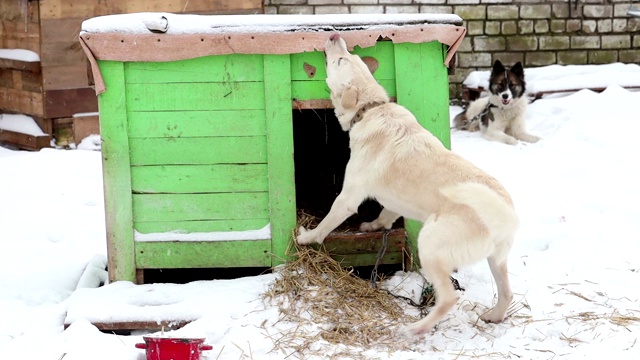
pixel 326 302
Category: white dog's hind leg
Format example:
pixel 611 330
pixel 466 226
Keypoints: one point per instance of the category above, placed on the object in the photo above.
pixel 345 205
pixel 436 265
pixel 384 220
pixel 505 296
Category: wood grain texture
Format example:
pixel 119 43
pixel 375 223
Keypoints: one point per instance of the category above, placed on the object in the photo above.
pixel 180 179
pixel 205 150
pixel 219 206
pixel 195 96
pixel 203 254
pixel 117 175
pixel 282 193
pixel 222 69
pixel 207 123
pixel 428 102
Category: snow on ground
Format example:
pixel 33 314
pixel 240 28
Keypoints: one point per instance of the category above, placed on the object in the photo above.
pixel 574 268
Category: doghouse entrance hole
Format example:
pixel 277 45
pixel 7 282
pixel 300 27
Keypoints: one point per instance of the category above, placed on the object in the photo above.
pixel 321 153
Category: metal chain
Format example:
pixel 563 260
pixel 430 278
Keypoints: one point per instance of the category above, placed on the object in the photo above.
pixel 381 252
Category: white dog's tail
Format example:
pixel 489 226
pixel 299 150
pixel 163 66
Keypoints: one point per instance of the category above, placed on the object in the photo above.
pixel 494 211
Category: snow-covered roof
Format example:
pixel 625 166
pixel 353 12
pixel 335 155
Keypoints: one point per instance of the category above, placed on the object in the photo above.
pixel 153 37
pixel 144 23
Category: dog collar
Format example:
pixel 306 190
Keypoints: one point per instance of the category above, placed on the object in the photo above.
pixel 360 113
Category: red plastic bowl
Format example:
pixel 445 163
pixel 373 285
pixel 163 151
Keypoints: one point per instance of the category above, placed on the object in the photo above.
pixel 164 348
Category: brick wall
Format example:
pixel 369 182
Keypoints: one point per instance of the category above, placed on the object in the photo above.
pixel 535 32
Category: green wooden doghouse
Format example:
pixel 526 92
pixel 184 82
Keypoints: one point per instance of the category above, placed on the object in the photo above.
pixel 198 116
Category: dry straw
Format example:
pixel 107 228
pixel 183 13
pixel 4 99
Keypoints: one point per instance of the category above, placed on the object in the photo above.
pixel 320 300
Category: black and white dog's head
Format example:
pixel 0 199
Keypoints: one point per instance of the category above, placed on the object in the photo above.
pixel 507 84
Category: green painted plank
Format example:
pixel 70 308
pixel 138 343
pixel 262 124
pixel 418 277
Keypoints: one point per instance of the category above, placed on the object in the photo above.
pixel 206 150
pixel 313 90
pixel 423 64
pixel 196 123
pixel 199 178
pixel 211 254
pixel 195 96
pixel 282 192
pixel 116 174
pixel 315 59
pixel 389 258
pixel 382 51
pixel 219 68
pixel 177 207
pixel 147 227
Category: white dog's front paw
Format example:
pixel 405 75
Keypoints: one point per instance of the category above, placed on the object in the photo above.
pixel 306 237
pixel 369 226
pixel 529 138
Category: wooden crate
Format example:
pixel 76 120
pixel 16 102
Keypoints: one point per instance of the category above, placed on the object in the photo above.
pixel 204 144
pixel 60 85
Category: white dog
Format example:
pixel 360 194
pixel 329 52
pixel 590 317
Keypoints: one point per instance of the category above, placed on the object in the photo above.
pixel 468 216
pixel 501 115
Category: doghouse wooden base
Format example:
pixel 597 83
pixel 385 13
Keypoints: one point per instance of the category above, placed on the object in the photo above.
pixel 197 130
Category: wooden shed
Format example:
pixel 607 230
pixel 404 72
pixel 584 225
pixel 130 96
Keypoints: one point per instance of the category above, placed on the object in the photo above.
pixel 58 90
pixel 203 119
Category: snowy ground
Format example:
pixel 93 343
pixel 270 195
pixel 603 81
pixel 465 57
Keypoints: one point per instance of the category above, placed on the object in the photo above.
pixel 575 266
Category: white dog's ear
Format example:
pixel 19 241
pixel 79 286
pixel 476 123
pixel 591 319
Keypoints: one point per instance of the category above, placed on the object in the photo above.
pixel 349 98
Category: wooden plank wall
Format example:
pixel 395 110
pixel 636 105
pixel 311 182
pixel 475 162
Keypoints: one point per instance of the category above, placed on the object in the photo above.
pixel 63 61
pixel 20 82
pixel 64 65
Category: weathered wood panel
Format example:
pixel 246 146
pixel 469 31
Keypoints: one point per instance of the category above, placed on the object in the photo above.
pixel 84 126
pixel 30 66
pixel 317 89
pixel 195 96
pixel 422 63
pixel 186 151
pixel 65 77
pixel 197 123
pixel 429 102
pixel 179 207
pixel 20 25
pixel 66 102
pixel 58 9
pixel 117 175
pixel 168 255
pixel 225 68
pixel 361 249
pixel 20 101
pixel 24 141
pixel 382 52
pixel 62 53
pixel 147 227
pixel 177 179
pixel 282 192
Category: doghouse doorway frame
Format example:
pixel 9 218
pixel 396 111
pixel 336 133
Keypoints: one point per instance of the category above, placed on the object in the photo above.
pixel 429 103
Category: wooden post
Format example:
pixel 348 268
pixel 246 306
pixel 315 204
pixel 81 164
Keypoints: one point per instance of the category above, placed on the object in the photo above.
pixel 117 174
pixel 282 193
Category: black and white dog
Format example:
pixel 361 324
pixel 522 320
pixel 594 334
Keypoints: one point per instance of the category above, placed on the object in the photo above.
pixel 500 116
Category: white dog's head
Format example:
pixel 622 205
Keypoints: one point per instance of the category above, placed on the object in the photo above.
pixel 351 83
